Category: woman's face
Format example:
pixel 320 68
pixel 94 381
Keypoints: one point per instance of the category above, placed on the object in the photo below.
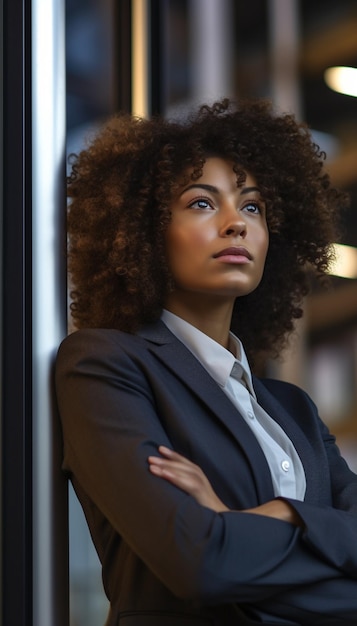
pixel 217 240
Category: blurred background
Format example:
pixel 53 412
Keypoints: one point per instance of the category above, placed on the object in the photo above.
pixel 165 55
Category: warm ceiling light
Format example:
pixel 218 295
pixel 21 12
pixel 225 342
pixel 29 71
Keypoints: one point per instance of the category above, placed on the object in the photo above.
pixel 342 79
pixel 345 264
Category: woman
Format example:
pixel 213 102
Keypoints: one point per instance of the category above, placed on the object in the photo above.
pixel 213 497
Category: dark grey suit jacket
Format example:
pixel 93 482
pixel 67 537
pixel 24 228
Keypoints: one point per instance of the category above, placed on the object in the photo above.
pixel 166 559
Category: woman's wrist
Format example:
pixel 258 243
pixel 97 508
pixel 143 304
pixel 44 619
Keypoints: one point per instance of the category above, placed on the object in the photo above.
pixel 278 509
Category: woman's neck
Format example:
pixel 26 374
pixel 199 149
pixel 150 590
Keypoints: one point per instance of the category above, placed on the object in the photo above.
pixel 211 318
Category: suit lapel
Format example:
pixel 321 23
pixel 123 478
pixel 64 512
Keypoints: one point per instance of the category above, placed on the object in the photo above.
pixel 302 445
pixel 185 366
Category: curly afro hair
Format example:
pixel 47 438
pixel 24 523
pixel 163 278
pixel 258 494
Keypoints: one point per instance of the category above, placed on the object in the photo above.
pixel 121 188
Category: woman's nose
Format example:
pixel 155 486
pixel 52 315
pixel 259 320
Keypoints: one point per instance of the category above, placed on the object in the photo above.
pixel 234 226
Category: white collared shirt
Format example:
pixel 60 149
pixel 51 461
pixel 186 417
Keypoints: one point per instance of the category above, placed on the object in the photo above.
pixel 286 469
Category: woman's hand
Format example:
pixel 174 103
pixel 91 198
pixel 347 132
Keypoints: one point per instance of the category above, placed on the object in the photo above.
pixel 187 476
pixel 190 478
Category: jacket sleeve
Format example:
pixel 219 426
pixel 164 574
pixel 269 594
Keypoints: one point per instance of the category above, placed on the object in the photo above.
pixel 331 532
pixel 111 426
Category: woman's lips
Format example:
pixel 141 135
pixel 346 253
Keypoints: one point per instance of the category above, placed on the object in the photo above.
pixel 234 255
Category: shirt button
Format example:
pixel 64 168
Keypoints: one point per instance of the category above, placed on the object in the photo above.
pixel 285 465
pixel 250 415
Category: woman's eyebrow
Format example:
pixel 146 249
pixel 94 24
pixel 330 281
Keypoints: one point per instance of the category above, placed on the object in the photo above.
pixel 210 188
pixel 249 189
pixel 214 189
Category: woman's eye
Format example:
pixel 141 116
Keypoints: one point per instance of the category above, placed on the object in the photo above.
pixel 200 203
pixel 252 207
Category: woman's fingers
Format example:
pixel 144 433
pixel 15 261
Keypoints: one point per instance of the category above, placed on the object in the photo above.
pixel 186 475
pixel 178 469
pixel 172 455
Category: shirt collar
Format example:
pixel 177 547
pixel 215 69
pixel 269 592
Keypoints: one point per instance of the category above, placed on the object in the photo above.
pixel 216 359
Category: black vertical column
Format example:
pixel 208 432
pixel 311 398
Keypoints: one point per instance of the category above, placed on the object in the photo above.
pixel 122 62
pixel 16 405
